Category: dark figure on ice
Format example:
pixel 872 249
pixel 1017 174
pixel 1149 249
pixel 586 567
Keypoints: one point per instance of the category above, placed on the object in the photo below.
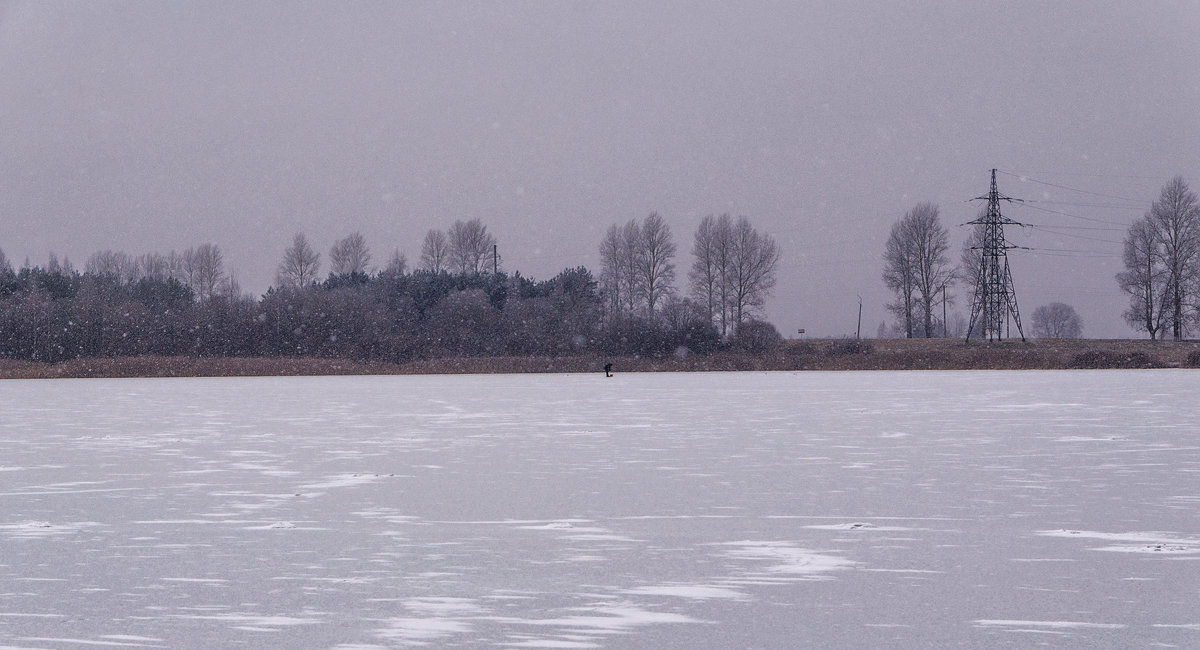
pixel 608 370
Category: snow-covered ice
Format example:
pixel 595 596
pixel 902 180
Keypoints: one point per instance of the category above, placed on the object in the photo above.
pixel 919 509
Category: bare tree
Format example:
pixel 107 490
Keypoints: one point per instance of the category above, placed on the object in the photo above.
pixel 612 270
pixel 710 266
pixel 631 279
pixel 916 266
pixel 621 273
pixel 1175 219
pixel 397 265
pixel 899 274
pixel 688 320
pixel 300 264
pixel 155 266
pixel 970 266
pixel 231 289
pixel 470 246
pixel 1057 321
pixel 116 265
pixel 175 267
pixel 205 267
pixel 1144 279
pixel 970 261
pixel 733 271
pixel 435 251
pixel 751 273
pixel 653 260
pixel 636 268
pixel 933 271
pixel 349 255
pixel 5 265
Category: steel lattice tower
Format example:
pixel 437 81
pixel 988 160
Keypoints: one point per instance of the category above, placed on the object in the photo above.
pixel 995 299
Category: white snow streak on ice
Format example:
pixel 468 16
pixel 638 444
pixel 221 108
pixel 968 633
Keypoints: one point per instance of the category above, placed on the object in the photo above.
pixel 696 592
pixel 1145 542
pixel 1050 624
pixel 783 558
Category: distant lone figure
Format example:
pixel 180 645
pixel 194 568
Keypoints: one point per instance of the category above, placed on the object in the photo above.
pixel 608 370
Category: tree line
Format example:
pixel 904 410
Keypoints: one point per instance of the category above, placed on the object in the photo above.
pixel 1162 265
pixel 1161 256
pixel 458 301
pixel 919 272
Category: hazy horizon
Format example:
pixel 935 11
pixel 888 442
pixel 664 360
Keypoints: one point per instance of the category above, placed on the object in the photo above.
pixel 146 127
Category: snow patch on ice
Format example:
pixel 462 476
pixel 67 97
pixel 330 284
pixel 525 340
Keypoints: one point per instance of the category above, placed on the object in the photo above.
pixel 693 592
pixel 421 630
pixel 611 619
pixel 253 621
pixel 1060 625
pixel 1152 548
pixel 788 560
pixel 84 642
pixel 35 529
pixel 577 533
pixel 440 606
pixel 858 525
pixel 551 643
pixel 1139 542
pixel 341 481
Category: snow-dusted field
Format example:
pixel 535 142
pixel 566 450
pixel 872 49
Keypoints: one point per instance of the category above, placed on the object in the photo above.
pixel 940 509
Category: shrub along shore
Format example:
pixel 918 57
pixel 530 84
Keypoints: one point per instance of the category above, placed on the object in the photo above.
pixel 838 354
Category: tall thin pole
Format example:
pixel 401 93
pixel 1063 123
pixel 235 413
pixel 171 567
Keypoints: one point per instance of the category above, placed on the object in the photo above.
pixel 945 332
pixel 495 260
pixel 858 332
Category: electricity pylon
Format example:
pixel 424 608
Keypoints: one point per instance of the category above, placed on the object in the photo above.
pixel 995 299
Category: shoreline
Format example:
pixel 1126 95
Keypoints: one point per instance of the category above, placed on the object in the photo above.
pixel 793 355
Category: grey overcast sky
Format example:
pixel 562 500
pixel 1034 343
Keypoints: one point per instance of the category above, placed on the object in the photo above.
pixel 151 126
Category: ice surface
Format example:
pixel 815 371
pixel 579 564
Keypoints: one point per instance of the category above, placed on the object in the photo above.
pixel 921 509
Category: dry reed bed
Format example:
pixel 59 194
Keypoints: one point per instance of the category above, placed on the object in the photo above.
pixel 885 354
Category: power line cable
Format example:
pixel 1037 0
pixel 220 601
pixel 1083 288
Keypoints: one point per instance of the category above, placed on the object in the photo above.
pixel 1068 252
pixel 1107 206
pixel 1072 189
pixel 1049 173
pixel 1075 216
pixel 1100 228
pixel 1065 234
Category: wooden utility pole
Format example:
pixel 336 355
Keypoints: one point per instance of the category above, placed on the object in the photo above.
pixel 858 330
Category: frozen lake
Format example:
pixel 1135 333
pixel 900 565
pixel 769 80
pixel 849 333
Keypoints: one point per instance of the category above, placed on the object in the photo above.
pixel 916 509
